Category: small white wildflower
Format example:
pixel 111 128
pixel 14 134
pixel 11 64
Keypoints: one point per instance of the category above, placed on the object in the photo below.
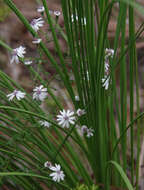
pixel 45 123
pixel 66 118
pixel 57 13
pixel 57 174
pixel 80 112
pixel 16 53
pixel 89 132
pixel 37 23
pixel 109 53
pixel 47 164
pixel 84 129
pixel 16 93
pixel 40 9
pixel 28 62
pixel 105 82
pixel 77 98
pixel 40 93
pixel 36 40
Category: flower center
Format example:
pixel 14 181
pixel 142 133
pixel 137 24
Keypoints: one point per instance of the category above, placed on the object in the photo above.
pixel 66 117
pixel 33 22
pixel 38 92
pixel 58 172
pixel 15 92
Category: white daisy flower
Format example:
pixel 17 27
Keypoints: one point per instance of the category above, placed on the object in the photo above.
pixel 45 123
pixel 37 23
pixel 16 93
pixel 84 129
pixel 57 13
pixel 80 112
pixel 77 98
pixel 105 82
pixel 28 62
pixel 17 53
pixel 47 164
pixel 57 174
pixel 40 93
pixel 89 132
pixel 40 9
pixel 36 40
pixel 66 118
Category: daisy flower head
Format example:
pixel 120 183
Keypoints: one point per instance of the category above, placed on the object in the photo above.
pixel 40 93
pixel 37 23
pixel 57 13
pixel 17 53
pixel 80 112
pixel 84 129
pixel 16 93
pixel 47 164
pixel 66 118
pixel 36 40
pixel 89 132
pixel 40 9
pixel 57 174
pixel 45 123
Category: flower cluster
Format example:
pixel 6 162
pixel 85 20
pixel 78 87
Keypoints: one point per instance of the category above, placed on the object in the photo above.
pixel 109 53
pixel 67 118
pixel 40 94
pixel 57 174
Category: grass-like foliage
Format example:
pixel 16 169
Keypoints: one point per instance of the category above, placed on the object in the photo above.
pixel 93 144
